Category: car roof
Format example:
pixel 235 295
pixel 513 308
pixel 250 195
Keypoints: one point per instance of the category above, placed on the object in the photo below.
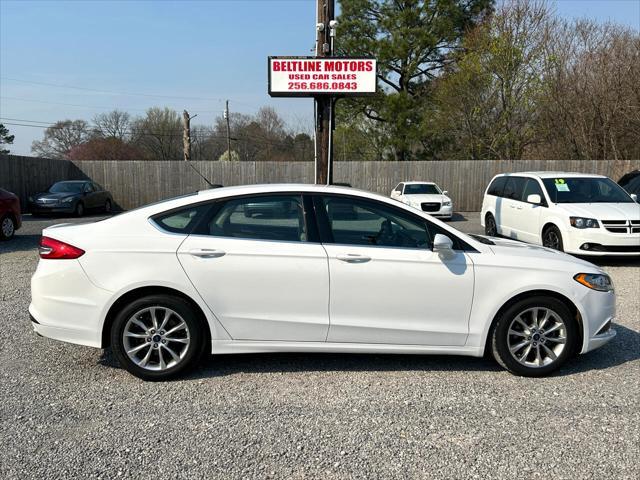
pixel 418 183
pixel 72 181
pixel 550 174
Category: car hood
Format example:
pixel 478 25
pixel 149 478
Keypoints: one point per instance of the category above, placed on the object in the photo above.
pixel 436 197
pixel 513 248
pixel 602 211
pixel 54 196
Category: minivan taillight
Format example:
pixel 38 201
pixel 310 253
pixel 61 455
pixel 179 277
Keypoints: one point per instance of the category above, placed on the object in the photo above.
pixel 52 249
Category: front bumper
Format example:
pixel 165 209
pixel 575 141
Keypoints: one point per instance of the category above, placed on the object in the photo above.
pixel 53 208
pixel 598 315
pixel 444 212
pixel 599 241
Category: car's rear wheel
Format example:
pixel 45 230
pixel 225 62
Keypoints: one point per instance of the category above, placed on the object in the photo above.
pixel 534 337
pixel 7 227
pixel 552 238
pixel 157 337
pixel 490 228
pixel 107 206
pixel 79 211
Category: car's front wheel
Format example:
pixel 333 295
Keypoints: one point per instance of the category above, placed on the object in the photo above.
pixel 552 238
pixel 79 211
pixel 534 337
pixel 7 227
pixel 157 337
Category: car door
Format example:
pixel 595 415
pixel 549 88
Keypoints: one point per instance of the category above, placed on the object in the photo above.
pixel 386 284
pixel 511 206
pixel 89 195
pixel 254 265
pixel 526 221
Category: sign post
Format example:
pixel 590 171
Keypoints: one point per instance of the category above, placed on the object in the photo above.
pixel 325 78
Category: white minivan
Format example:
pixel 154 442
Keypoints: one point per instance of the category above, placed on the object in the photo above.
pixel 573 212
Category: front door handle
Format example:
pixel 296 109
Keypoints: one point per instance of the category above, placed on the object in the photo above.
pixel 206 253
pixel 353 258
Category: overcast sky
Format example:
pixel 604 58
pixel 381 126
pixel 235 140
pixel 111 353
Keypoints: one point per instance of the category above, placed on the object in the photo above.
pixel 132 55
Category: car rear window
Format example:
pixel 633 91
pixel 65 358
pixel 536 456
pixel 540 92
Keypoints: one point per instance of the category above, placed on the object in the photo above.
pixel 497 186
pixel 182 220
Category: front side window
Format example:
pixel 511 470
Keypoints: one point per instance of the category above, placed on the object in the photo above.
pixel 399 188
pixel 421 189
pixel 265 217
pixel 585 190
pixel 513 188
pixel 532 187
pixel 361 222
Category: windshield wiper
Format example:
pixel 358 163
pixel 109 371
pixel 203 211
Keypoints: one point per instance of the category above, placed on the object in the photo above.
pixel 481 239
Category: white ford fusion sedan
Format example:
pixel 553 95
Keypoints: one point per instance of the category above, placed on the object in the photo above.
pixel 308 268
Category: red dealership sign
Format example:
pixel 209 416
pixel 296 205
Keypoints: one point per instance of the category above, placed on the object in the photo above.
pixel 311 76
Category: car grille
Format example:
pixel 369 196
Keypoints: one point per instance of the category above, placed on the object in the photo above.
pixel 430 207
pixel 622 226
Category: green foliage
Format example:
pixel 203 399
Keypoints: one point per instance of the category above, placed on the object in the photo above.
pixel 412 40
pixel 5 139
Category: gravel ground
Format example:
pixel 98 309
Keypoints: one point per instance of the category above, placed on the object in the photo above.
pixel 69 411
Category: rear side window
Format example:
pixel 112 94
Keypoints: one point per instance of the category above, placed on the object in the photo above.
pixel 497 186
pixel 265 217
pixel 182 220
pixel 514 187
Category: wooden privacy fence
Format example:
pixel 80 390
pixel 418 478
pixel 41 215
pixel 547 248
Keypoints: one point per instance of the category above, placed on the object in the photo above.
pixel 137 182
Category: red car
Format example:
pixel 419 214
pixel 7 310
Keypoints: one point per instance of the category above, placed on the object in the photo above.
pixel 10 218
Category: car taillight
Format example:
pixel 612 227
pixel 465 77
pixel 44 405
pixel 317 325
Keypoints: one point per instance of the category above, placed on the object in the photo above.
pixel 52 249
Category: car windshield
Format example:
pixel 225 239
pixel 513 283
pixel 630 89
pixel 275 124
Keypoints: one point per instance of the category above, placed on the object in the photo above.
pixel 421 189
pixel 585 190
pixel 67 187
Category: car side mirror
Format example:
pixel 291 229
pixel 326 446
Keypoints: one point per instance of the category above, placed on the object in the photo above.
pixel 442 243
pixel 445 192
pixel 534 198
pixel 634 197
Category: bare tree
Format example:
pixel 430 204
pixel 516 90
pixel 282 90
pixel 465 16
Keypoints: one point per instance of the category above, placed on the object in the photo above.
pixel 114 124
pixel 159 134
pixel 60 138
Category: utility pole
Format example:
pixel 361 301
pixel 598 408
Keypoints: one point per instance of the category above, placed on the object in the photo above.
pixel 325 30
pixel 186 135
pixel 226 116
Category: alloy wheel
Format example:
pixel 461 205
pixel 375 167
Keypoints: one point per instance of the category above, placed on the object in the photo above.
pixel 7 227
pixel 551 239
pixel 156 338
pixel 537 337
pixel 491 229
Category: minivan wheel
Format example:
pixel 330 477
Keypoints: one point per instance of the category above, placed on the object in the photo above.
pixel 157 337
pixel 534 337
pixel 7 227
pixel 552 238
pixel 490 228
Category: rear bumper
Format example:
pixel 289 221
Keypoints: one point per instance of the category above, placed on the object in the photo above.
pixel 69 310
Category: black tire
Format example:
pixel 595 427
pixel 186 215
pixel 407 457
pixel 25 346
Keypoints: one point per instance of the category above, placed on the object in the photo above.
pixel 500 337
pixel 107 206
pixel 79 210
pixel 490 228
pixel 552 238
pixel 7 227
pixel 193 350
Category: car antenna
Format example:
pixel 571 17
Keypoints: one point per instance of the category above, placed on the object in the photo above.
pixel 212 185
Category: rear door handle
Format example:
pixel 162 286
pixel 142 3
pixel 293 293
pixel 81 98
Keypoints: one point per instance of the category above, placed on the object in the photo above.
pixel 206 253
pixel 353 258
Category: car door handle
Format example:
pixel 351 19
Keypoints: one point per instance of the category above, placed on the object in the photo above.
pixel 206 253
pixel 353 258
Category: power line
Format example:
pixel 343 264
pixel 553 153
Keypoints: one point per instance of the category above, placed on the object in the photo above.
pixel 107 92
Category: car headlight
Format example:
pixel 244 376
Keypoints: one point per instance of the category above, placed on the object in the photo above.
pixel 595 281
pixel 30 199
pixel 446 203
pixel 67 200
pixel 581 222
